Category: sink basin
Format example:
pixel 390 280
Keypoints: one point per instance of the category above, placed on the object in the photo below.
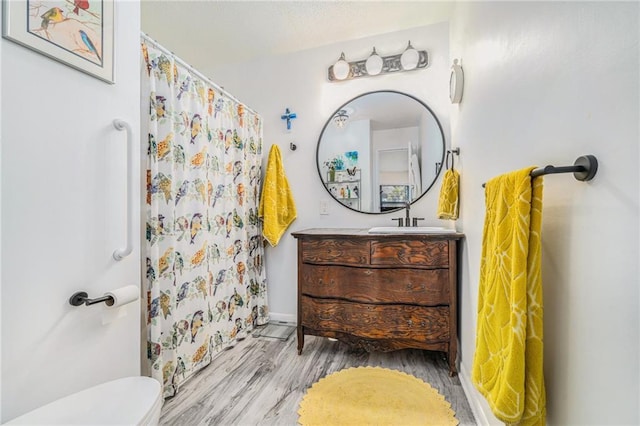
pixel 411 230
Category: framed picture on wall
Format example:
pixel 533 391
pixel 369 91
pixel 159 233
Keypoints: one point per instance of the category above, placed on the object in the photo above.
pixel 78 33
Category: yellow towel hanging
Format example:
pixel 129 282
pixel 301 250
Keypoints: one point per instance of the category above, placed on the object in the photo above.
pixel 277 208
pixel 507 365
pixel 449 191
pixel 448 201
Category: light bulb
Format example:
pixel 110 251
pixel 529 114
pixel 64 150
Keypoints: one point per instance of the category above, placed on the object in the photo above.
pixel 374 63
pixel 341 68
pixel 409 58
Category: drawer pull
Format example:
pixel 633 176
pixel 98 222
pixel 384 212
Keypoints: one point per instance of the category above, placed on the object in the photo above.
pixel 423 324
pixel 368 272
pixel 409 286
pixel 410 323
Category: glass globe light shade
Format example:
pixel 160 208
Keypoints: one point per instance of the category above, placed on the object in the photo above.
pixel 341 68
pixel 409 58
pixel 374 63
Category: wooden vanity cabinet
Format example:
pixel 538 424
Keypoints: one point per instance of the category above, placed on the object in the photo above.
pixel 379 292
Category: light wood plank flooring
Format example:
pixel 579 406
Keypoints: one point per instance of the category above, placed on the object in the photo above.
pixel 262 380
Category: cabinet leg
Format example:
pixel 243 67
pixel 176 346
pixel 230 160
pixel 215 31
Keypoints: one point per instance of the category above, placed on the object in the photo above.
pixel 300 339
pixel 451 357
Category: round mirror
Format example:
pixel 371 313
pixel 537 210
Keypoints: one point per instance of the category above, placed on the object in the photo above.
pixel 380 151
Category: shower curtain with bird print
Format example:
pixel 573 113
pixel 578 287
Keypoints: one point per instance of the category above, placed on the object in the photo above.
pixel 205 278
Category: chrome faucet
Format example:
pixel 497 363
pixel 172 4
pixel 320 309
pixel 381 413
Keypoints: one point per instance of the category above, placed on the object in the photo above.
pixel 407 220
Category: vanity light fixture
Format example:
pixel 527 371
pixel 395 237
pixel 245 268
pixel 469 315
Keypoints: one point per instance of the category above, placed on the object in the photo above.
pixel 410 59
pixel 341 68
pixel 374 63
pixel 341 118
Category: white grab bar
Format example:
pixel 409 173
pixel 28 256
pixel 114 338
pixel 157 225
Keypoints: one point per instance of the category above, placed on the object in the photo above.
pixel 120 254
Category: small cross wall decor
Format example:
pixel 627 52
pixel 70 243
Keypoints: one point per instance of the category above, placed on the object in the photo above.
pixel 288 115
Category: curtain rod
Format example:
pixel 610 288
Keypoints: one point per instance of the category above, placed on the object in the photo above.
pixel 195 71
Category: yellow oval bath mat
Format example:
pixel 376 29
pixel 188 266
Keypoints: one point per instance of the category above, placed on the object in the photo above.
pixel 373 396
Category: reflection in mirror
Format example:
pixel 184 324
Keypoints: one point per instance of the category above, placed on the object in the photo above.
pixel 379 151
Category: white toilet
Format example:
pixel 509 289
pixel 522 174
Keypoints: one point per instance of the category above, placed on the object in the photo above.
pixel 127 401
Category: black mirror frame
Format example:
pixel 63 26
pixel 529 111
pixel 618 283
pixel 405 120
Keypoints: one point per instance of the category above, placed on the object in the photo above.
pixel 329 121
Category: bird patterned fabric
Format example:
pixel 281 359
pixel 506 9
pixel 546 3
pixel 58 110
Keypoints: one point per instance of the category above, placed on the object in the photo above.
pixel 508 362
pixel 205 277
pixel 448 201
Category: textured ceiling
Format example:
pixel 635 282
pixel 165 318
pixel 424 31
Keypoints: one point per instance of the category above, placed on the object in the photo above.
pixel 237 31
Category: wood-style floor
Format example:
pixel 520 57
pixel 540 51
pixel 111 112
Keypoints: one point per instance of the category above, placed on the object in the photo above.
pixel 262 380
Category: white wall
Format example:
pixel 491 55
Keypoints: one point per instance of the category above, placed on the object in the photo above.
pixel 299 81
pixel 63 204
pixel 544 84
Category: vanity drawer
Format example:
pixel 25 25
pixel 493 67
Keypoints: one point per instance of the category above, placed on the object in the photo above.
pixel 376 321
pixel 335 251
pixel 427 287
pixel 410 252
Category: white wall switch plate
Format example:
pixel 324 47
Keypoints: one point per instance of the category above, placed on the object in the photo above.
pixel 324 207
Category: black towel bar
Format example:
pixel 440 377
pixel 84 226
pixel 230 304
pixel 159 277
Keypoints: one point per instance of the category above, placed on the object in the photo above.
pixel 584 169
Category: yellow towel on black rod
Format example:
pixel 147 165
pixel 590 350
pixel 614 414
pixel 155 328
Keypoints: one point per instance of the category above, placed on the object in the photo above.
pixel 277 208
pixel 508 361
pixel 449 192
pixel 448 201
